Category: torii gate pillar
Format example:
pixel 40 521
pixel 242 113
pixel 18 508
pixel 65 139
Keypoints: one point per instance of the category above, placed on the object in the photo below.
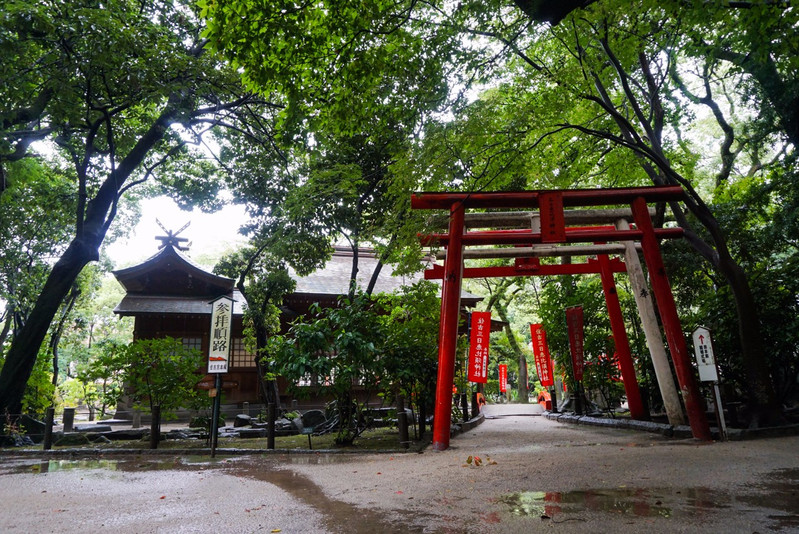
pixel 671 322
pixel 448 328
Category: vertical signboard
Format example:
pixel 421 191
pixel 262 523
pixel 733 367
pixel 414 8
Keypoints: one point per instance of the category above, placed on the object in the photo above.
pixel 478 346
pixel 503 378
pixel 574 320
pixel 705 360
pixel 553 222
pixel 219 343
pixel 543 363
pixel 709 372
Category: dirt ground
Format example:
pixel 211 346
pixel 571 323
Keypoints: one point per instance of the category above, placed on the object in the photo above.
pixel 534 475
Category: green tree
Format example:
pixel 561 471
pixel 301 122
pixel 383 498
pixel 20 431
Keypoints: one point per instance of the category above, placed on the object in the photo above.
pixel 336 350
pixel 409 351
pixel 160 375
pixel 120 92
pixel 596 92
pixel 263 280
pixel 368 346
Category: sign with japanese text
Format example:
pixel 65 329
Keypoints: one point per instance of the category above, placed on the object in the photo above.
pixel 705 360
pixel 543 363
pixel 219 342
pixel 574 321
pixel 478 346
pixel 503 378
pixel 553 225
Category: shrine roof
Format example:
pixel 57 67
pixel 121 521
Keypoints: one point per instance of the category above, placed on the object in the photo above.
pixel 133 304
pixel 171 273
pixel 333 279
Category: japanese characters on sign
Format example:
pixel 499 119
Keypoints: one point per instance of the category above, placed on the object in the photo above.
pixel 705 360
pixel 543 363
pixel 553 226
pixel 478 346
pixel 503 378
pixel 574 320
pixel 219 343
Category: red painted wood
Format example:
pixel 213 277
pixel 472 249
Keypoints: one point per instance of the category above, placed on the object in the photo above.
pixel 530 199
pixel 553 222
pixel 621 341
pixel 447 344
pixel 671 322
pixel 527 237
pixel 437 272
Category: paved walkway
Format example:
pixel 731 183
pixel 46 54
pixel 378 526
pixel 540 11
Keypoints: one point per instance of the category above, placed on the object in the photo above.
pixel 533 475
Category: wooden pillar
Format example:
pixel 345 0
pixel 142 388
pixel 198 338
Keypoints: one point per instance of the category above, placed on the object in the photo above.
pixel 654 338
pixel 621 340
pixel 671 322
pixel 450 314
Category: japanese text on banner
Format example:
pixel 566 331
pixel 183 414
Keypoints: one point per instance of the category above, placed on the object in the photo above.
pixel 478 346
pixel 543 363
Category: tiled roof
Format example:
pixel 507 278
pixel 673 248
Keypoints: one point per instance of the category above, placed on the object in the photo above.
pixel 334 278
pixel 133 304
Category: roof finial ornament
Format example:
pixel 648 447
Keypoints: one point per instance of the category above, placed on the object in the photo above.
pixel 172 239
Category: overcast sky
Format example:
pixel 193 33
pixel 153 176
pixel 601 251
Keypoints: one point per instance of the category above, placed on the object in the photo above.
pixel 209 234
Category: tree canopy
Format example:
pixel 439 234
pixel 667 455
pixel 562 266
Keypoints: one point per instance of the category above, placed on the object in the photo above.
pixel 120 94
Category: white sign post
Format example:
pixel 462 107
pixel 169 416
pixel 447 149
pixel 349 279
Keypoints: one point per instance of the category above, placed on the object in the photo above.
pixel 218 354
pixel 708 372
pixel 219 343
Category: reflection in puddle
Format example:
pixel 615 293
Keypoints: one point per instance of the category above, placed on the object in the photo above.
pixel 622 501
pixel 778 495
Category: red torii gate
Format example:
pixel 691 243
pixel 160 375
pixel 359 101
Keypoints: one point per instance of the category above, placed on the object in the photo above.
pixel 553 230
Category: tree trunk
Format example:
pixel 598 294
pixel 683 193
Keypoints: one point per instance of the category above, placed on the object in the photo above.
pixel 766 409
pixel 91 227
pixel 21 356
pixel 514 345
pixel 155 427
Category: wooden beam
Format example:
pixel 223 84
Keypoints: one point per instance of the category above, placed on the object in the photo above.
pixel 523 219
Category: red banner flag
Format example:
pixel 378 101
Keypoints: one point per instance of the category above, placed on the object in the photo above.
pixel 478 347
pixel 574 320
pixel 543 363
pixel 503 378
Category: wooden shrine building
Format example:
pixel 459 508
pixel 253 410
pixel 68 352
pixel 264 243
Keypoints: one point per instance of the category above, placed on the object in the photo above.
pixel 169 295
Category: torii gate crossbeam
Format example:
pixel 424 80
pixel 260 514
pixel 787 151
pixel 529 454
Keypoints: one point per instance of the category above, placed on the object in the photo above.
pixel 551 203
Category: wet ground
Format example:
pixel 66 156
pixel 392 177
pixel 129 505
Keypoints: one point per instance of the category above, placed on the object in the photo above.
pixel 533 475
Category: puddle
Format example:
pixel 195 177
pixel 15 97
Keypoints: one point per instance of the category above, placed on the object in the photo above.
pixel 34 466
pixel 621 501
pixel 337 515
pixel 777 495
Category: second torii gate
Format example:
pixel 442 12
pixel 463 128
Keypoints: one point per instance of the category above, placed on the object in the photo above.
pixel 553 230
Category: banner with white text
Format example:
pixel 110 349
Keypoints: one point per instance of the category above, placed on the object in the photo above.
pixel 478 346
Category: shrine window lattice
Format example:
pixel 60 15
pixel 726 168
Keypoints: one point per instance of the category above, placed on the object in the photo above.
pixel 239 355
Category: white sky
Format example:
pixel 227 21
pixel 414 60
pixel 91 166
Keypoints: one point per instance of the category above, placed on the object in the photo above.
pixel 209 234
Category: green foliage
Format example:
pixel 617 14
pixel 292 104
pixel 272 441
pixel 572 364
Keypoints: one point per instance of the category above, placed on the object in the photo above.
pixel 364 346
pixel 361 60
pixel 159 372
pixel 40 391
pixel 102 376
pixel 600 374
pixel 119 94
